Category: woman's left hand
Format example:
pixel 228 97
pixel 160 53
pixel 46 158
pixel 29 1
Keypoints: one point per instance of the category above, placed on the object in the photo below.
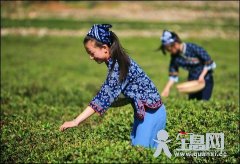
pixel 201 79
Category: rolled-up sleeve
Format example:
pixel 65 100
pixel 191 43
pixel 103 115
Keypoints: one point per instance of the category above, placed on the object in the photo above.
pixel 173 71
pixel 109 91
pixel 209 64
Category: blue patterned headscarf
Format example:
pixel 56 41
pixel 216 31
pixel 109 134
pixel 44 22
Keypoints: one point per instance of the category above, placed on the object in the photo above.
pixel 101 33
pixel 167 38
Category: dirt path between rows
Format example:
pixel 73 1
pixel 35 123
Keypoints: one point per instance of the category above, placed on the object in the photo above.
pixel 167 11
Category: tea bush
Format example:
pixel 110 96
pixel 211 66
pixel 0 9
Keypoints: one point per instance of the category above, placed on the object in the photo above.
pixel 46 81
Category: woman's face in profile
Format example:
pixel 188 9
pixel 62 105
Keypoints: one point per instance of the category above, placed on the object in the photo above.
pixel 99 54
pixel 173 48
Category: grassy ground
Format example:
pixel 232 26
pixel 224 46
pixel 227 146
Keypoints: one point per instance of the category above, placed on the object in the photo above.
pixel 47 80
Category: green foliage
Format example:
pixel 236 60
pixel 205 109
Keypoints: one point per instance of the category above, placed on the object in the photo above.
pixel 48 80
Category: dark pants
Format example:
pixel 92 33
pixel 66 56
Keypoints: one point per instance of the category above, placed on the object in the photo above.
pixel 206 93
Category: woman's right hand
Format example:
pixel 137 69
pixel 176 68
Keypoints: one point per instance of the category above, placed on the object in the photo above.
pixel 165 93
pixel 68 124
pixel 84 115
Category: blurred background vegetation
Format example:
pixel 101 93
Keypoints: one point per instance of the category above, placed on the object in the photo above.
pixel 188 18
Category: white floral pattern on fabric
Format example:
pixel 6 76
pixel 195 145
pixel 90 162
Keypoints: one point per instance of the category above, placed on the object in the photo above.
pixel 137 86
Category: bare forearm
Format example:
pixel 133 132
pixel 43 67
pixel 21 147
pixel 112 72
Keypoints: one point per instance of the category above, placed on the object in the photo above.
pixel 169 84
pixel 84 115
pixel 204 72
pixel 166 89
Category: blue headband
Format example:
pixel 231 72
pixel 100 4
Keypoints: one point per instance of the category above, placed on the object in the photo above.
pixel 167 38
pixel 101 33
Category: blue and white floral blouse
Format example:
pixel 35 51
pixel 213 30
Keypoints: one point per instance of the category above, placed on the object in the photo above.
pixel 137 86
pixel 194 59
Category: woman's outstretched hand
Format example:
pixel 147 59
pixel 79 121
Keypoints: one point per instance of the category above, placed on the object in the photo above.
pixel 84 115
pixel 68 124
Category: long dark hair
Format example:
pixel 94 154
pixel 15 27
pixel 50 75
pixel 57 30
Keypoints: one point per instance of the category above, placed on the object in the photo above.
pixel 117 52
pixel 176 40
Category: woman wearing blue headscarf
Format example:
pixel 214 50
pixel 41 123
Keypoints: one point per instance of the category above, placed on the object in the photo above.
pixel 124 76
pixel 191 57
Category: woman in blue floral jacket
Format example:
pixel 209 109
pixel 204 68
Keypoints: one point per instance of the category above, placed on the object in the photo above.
pixel 126 77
